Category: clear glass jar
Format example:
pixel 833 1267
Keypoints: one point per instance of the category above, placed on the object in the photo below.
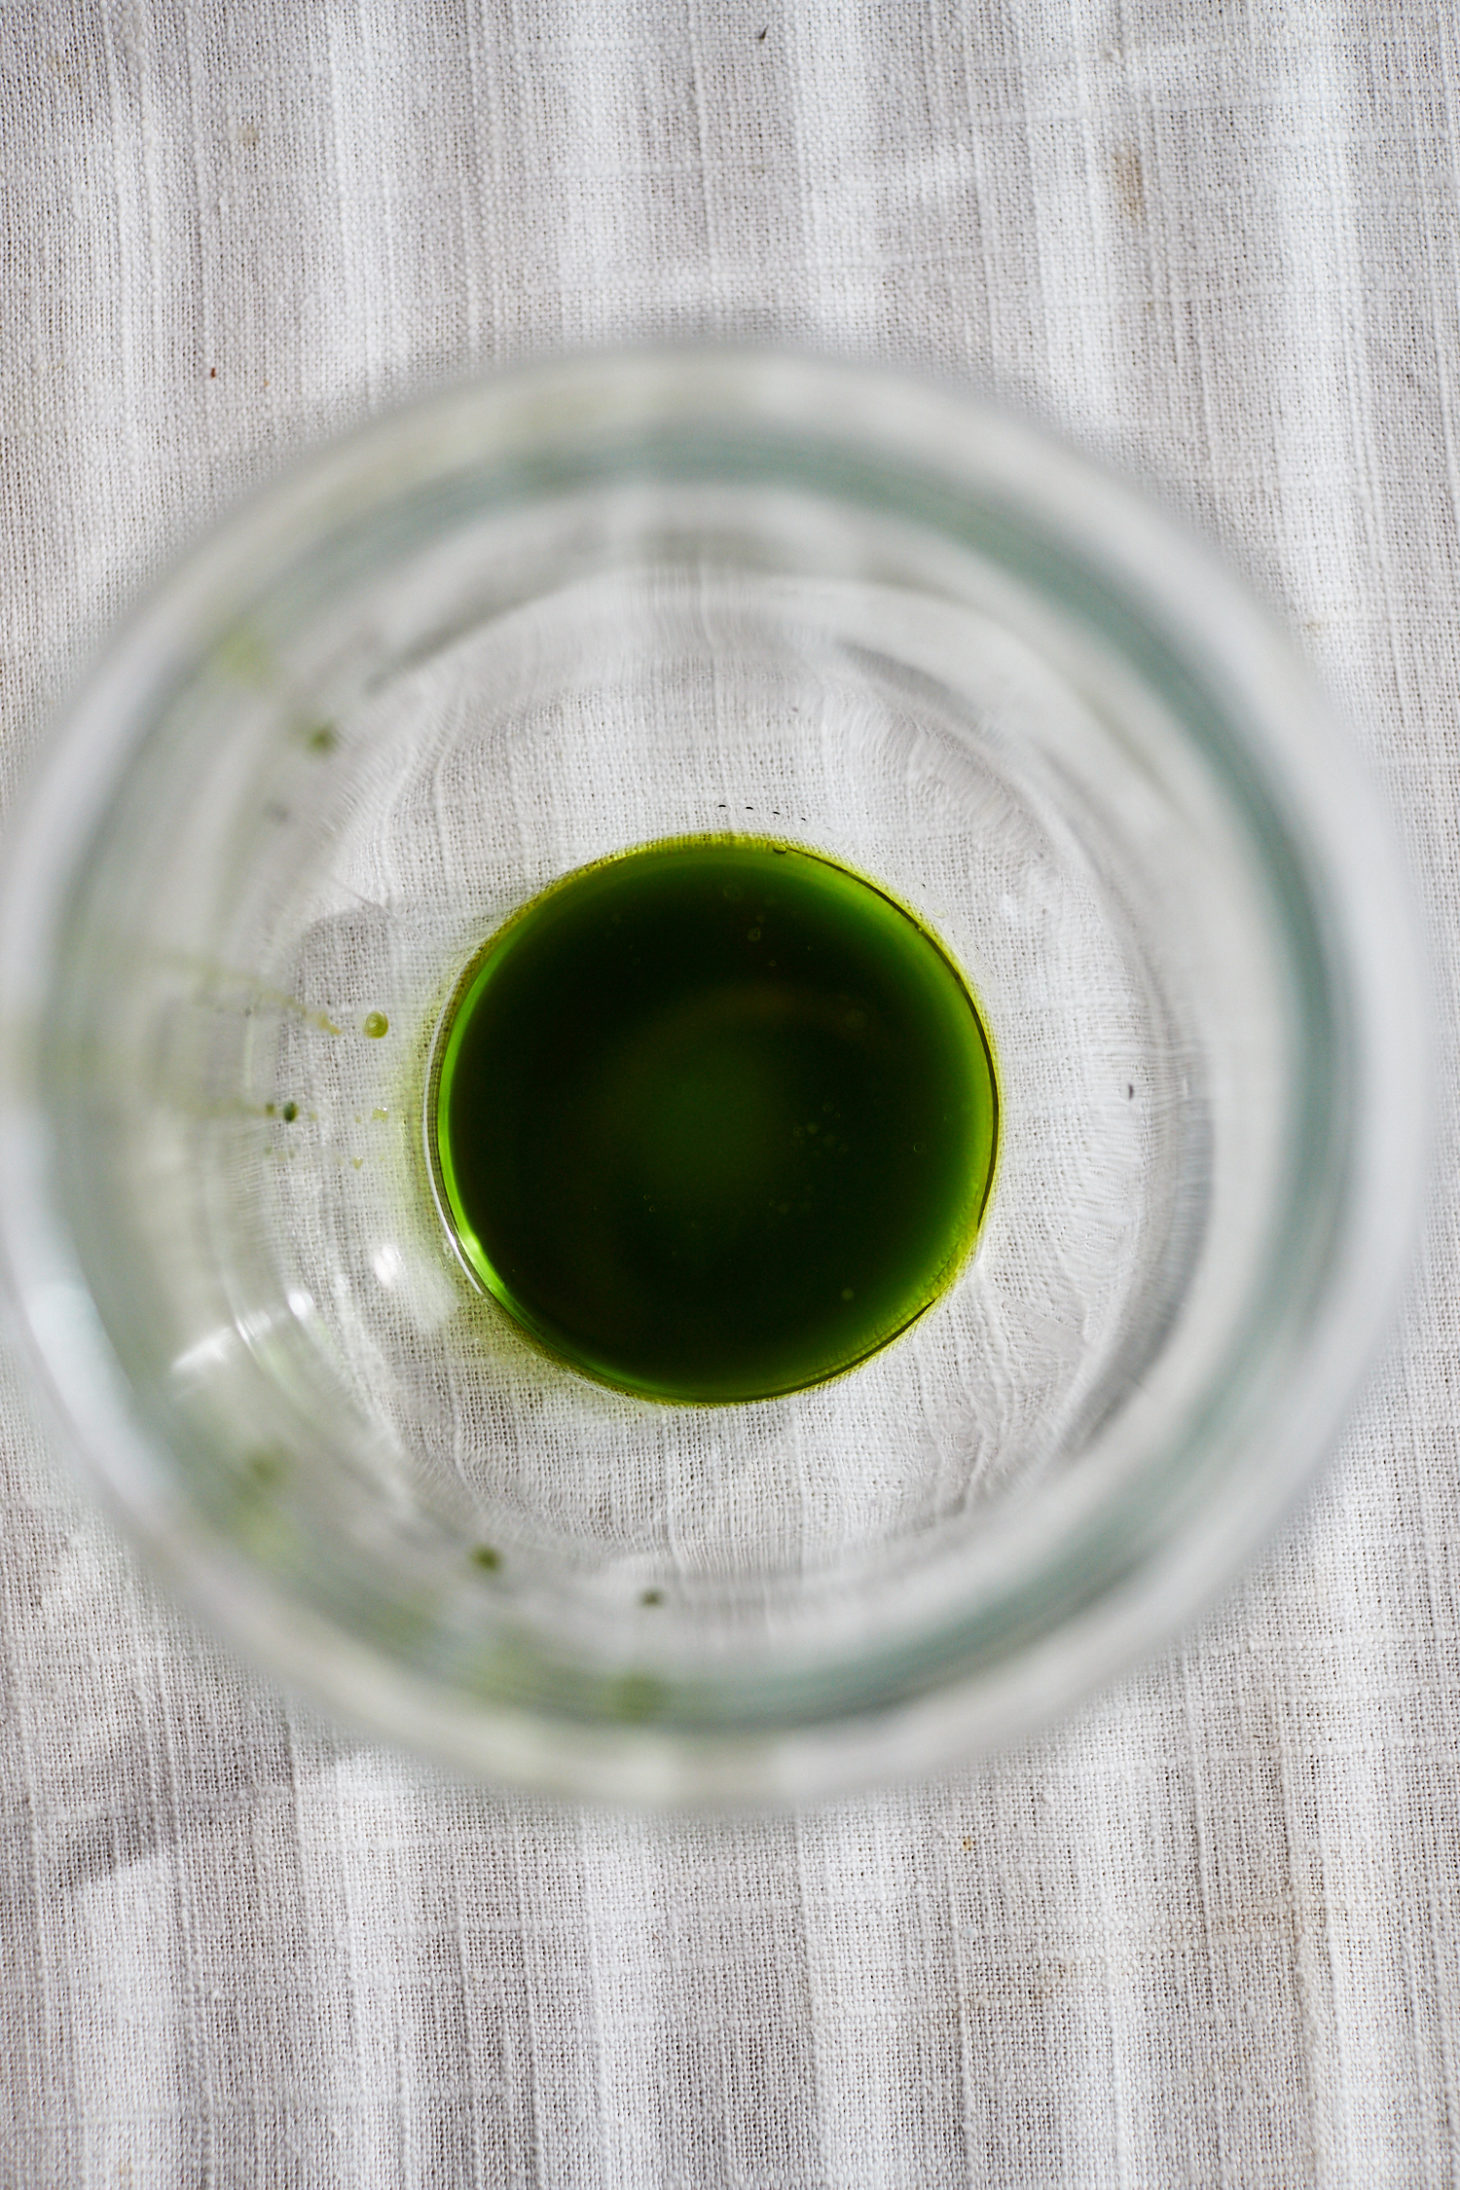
pixel 577 608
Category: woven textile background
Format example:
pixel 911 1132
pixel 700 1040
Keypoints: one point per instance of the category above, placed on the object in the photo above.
pixel 1205 1934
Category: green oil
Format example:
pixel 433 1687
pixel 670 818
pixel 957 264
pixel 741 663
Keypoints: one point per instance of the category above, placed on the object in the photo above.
pixel 714 1119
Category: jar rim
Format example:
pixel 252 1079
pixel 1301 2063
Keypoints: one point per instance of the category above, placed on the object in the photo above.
pixel 867 424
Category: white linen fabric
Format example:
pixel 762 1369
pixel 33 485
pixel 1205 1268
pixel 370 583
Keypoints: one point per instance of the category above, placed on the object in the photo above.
pixel 1207 1932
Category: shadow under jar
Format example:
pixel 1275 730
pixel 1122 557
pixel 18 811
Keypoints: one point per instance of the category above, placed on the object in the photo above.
pixel 526 627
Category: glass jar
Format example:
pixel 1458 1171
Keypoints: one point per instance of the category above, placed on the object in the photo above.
pixel 584 606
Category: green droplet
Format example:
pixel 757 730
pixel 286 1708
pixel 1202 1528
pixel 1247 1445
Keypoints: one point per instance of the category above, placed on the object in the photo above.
pixel 323 737
pixel 289 1113
pixel 376 1024
pixel 652 1597
pixel 243 654
pixel 624 1122
pixel 639 1696
pixel 487 1557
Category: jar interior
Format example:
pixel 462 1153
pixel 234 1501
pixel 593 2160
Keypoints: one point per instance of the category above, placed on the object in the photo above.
pixel 385 744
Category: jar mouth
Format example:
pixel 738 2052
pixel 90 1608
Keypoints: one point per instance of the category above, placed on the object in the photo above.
pixel 1225 1388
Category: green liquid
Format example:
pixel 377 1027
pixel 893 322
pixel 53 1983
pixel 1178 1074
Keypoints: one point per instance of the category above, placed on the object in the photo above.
pixel 714 1119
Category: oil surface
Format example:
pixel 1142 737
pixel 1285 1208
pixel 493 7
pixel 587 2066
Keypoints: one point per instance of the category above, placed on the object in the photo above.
pixel 713 1119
